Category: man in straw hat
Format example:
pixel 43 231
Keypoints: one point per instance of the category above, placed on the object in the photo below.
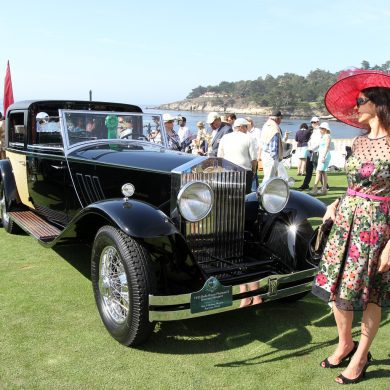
pixel 354 272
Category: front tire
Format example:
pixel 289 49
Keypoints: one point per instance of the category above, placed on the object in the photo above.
pixel 122 281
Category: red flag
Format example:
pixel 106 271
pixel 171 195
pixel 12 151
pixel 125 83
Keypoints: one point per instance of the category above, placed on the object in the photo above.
pixel 8 93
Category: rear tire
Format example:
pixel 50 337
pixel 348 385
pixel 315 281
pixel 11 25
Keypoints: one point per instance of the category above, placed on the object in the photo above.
pixel 8 224
pixel 122 281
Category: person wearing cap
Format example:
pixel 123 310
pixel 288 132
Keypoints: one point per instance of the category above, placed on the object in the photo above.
pixel 312 152
pixel 219 129
pixel 238 148
pixel 271 145
pixel 354 271
pixel 302 137
pixel 323 161
pixel 173 139
pixel 199 144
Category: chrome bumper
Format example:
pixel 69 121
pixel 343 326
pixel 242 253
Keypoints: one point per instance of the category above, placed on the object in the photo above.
pixel 177 307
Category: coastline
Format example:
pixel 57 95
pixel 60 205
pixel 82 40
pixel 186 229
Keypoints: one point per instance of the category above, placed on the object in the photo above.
pixel 208 105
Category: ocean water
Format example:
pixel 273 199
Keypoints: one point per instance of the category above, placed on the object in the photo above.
pixel 339 129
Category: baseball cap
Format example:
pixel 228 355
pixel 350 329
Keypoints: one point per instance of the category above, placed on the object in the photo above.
pixel 241 122
pixel 315 119
pixel 212 117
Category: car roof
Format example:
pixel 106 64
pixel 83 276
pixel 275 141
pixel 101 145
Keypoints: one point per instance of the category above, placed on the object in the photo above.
pixel 41 105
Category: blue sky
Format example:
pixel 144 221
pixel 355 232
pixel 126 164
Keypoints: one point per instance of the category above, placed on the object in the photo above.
pixel 149 52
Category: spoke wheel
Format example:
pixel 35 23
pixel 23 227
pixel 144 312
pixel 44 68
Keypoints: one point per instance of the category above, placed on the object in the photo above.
pixel 122 281
pixel 113 285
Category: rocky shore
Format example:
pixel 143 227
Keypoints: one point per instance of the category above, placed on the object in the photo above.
pixel 208 105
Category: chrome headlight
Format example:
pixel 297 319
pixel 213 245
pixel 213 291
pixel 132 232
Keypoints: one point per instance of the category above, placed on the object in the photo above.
pixel 195 200
pixel 273 195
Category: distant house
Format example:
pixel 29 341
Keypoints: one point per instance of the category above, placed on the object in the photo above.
pixel 214 95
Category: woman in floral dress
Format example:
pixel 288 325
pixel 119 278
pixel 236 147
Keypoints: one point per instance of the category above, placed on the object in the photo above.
pixel 354 271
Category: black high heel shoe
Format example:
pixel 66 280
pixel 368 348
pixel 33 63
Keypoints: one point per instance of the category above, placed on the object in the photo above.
pixel 326 364
pixel 347 381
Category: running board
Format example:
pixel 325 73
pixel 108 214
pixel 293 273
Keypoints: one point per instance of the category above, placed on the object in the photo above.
pixel 34 225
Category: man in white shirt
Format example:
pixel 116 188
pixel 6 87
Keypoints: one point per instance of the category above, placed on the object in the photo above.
pixel 312 147
pixel 239 148
pixel 183 132
pixel 255 134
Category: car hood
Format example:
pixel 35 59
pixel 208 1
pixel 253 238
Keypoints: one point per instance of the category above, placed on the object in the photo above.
pixel 131 155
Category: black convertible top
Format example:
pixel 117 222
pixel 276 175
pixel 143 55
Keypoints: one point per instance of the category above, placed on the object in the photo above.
pixel 55 105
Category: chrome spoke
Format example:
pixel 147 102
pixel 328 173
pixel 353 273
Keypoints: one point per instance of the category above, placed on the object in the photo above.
pixel 113 285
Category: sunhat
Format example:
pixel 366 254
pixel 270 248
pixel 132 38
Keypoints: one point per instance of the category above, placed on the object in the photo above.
pixel 315 119
pixel 168 118
pixel 200 124
pixel 325 125
pixel 241 122
pixel 340 99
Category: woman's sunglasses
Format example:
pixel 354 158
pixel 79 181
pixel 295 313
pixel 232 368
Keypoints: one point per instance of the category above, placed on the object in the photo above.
pixel 360 101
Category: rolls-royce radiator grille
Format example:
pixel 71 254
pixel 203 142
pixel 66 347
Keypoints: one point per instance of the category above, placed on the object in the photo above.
pixel 217 240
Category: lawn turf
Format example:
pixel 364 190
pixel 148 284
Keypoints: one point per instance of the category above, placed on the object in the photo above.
pixel 51 336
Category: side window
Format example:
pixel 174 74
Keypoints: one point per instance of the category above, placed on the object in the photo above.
pixel 16 129
pixel 48 132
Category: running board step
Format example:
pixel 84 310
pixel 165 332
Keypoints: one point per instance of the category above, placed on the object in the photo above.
pixel 35 225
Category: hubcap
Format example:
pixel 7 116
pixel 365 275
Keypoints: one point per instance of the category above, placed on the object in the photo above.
pixel 113 285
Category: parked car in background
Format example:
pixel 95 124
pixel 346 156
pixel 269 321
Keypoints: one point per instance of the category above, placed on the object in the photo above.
pixel 172 235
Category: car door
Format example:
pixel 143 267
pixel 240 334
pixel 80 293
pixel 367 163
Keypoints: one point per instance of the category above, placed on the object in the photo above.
pixel 47 171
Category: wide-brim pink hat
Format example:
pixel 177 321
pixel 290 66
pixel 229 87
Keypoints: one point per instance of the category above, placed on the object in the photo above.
pixel 340 99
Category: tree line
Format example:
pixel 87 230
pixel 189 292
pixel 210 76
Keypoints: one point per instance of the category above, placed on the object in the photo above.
pixel 284 90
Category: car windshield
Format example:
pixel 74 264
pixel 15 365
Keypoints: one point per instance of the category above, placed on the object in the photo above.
pixel 84 126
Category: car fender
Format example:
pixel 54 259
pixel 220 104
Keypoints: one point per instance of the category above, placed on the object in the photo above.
pixel 148 225
pixel 299 207
pixel 135 218
pixel 8 179
pixel 305 206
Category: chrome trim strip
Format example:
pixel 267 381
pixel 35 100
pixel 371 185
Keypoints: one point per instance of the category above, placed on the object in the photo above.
pixel 174 315
pixel 169 300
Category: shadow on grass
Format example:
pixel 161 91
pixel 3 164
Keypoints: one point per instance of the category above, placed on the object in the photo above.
pixel 307 349
pixel 284 327
pixel 78 256
pixel 271 323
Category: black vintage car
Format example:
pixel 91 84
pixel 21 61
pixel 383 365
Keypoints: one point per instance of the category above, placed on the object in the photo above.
pixel 173 235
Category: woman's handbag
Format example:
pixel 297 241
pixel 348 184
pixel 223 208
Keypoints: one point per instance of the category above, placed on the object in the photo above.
pixel 322 235
pixel 318 241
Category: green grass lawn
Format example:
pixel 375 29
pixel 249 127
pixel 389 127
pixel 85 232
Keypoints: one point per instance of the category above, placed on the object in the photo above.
pixel 51 336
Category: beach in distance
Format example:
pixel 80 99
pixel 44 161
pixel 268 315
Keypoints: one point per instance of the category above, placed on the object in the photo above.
pixel 339 129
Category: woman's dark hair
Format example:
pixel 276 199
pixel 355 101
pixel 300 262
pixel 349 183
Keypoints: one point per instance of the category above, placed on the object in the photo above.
pixel 381 98
pixel 303 126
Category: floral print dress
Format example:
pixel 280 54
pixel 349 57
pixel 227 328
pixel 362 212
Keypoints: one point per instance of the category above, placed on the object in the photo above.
pixel 347 273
